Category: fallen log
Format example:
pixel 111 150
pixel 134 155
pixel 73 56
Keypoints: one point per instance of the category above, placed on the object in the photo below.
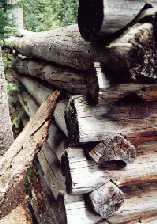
pixel 6 134
pixel 139 204
pixel 106 18
pixel 131 117
pixel 19 157
pixel 60 77
pixel 40 92
pixel 123 59
pixel 84 176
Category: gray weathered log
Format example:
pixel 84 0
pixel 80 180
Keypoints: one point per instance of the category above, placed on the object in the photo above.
pixel 84 176
pixel 132 117
pixel 123 59
pixel 107 18
pixel 106 199
pixel 61 77
pixel 40 92
pixel 6 134
pixel 140 204
pixel 116 148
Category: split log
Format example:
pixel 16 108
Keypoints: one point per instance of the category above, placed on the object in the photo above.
pixel 116 148
pixel 40 92
pixel 84 176
pixel 123 59
pixel 6 134
pixel 18 215
pixel 19 157
pixel 106 18
pixel 106 200
pixel 139 204
pixel 131 117
pixel 60 77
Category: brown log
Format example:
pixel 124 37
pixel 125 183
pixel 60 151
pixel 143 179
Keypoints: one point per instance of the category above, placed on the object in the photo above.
pixel 19 157
pixel 106 200
pixel 58 76
pixel 6 134
pixel 116 148
pixel 139 204
pixel 106 18
pixel 123 59
pixel 84 176
pixel 131 117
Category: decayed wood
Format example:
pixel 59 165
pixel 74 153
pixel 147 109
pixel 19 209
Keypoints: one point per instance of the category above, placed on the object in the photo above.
pixel 139 204
pixel 133 118
pixel 40 92
pixel 123 59
pixel 6 134
pixel 106 17
pixel 106 200
pixel 18 215
pixel 83 176
pixel 116 148
pixel 61 77
pixel 19 157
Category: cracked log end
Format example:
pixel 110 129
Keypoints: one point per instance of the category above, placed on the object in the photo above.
pixel 107 199
pixel 114 150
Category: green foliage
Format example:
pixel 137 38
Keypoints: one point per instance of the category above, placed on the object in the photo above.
pixel 11 88
pixel 40 15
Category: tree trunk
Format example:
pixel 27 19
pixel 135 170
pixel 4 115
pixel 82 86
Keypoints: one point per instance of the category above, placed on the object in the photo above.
pixel 61 77
pixel 106 18
pixel 19 157
pixel 140 204
pixel 127 58
pixel 84 176
pixel 6 134
pixel 131 117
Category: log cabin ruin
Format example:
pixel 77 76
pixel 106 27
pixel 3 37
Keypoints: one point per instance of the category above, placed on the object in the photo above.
pixel 87 153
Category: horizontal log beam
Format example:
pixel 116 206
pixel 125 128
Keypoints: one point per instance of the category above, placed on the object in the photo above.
pixel 83 176
pixel 131 117
pixel 123 59
pixel 139 204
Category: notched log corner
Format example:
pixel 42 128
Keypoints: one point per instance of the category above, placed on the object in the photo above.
pixel 113 152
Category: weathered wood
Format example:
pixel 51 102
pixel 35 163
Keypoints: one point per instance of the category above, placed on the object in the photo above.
pixel 19 157
pixel 18 215
pixel 6 134
pixel 133 118
pixel 106 18
pixel 106 200
pixel 116 148
pixel 83 176
pixel 40 92
pixel 59 76
pixel 128 57
pixel 139 204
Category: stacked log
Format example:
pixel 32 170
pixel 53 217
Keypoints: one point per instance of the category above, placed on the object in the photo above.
pixel 98 163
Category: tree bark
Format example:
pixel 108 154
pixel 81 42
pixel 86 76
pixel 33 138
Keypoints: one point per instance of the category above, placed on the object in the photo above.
pixel 19 157
pixel 106 18
pixel 139 204
pixel 131 117
pixel 58 76
pixel 84 176
pixel 127 58
pixel 6 134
